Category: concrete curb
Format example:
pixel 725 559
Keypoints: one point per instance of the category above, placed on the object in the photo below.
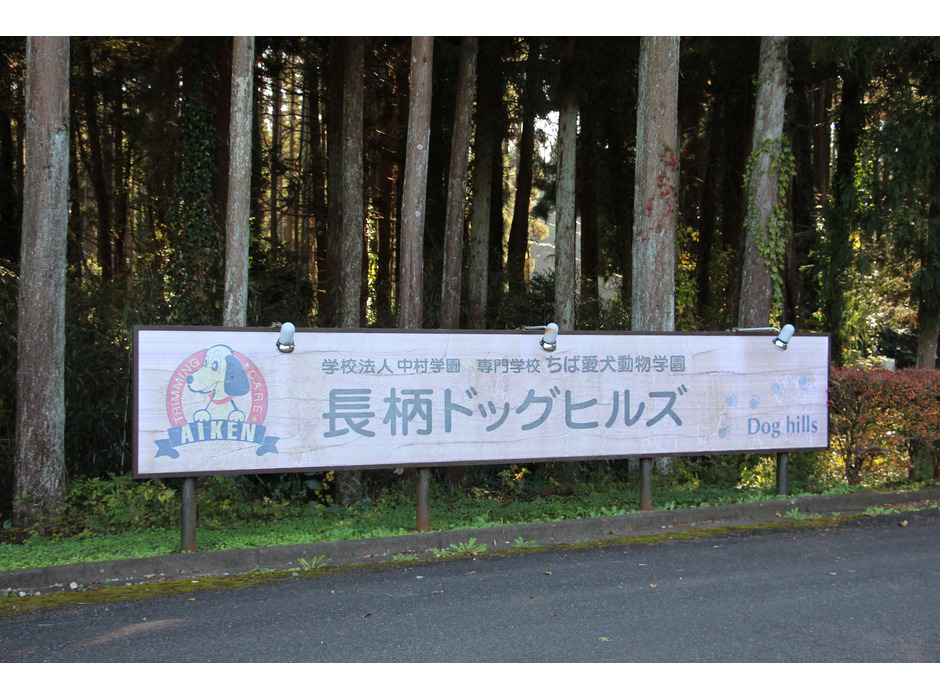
pixel 177 566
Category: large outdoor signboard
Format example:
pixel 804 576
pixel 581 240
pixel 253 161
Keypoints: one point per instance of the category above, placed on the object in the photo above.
pixel 217 400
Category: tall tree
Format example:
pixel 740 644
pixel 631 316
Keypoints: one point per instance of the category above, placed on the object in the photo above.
pixel 195 273
pixel 566 221
pixel 329 250
pixel 414 195
pixel 457 186
pixel 349 487
pixel 98 169
pixel 352 178
pixel 389 64
pixel 838 254
pixel 487 183
pixel 655 201
pixel 235 311
pixel 587 191
pixel 906 174
pixel 413 210
pixel 276 67
pixel 517 246
pixel 770 170
pixel 657 179
pixel 313 171
pixel 39 473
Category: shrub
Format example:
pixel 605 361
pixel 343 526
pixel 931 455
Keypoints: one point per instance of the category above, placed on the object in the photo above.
pixel 884 423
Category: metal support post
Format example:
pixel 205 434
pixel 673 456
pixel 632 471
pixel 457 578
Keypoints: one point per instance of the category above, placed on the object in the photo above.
pixel 783 463
pixel 188 516
pixel 646 483
pixel 424 508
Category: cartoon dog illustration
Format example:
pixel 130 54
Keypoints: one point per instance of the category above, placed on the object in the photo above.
pixel 222 376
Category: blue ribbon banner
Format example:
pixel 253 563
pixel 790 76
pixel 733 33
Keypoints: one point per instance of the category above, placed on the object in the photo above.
pixel 215 430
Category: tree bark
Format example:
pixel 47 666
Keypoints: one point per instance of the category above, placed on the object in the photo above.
pixel 822 140
pixel 839 253
pixel 483 256
pixel 517 247
pixel 657 178
pixel 349 487
pixel 565 215
pixel 352 179
pixel 235 311
pixel 39 472
pixel 329 259
pixel 760 247
pixel 414 195
pixel 655 203
pixel 385 114
pixel 928 309
pixel 928 326
pixel 275 162
pixel 457 186
pixel 480 228
pixel 587 203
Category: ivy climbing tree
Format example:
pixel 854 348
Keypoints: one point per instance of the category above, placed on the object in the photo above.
pixel 770 169
pixel 195 238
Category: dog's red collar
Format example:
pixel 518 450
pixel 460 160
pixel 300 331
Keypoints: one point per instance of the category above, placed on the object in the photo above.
pixel 221 401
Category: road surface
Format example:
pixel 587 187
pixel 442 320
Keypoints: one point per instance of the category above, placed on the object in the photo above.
pixel 866 590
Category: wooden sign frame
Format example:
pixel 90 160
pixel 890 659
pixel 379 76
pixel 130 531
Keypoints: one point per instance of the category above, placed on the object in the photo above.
pixel 221 400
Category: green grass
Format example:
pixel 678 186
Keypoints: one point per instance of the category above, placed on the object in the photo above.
pixel 121 519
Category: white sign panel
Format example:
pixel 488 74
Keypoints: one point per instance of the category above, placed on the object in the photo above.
pixel 211 400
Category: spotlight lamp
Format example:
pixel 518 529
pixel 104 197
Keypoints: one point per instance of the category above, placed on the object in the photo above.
pixel 285 341
pixel 783 334
pixel 780 342
pixel 549 340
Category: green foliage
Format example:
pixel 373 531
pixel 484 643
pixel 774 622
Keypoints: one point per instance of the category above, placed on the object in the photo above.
pixel 117 517
pixel 97 379
pixel 114 503
pixel 537 307
pixel 795 514
pixel 194 235
pixel 461 548
pixel 772 239
pixel 279 291
pixel 686 293
pixel 8 323
pixel 314 563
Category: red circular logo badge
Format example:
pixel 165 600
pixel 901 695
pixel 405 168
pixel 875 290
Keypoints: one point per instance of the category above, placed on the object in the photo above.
pixel 216 383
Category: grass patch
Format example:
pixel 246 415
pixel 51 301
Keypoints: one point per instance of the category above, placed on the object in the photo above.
pixel 122 519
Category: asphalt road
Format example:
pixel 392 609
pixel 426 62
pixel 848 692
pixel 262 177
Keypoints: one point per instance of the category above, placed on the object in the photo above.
pixel 867 590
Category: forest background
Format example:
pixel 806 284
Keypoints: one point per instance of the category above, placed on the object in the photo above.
pixel 529 141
